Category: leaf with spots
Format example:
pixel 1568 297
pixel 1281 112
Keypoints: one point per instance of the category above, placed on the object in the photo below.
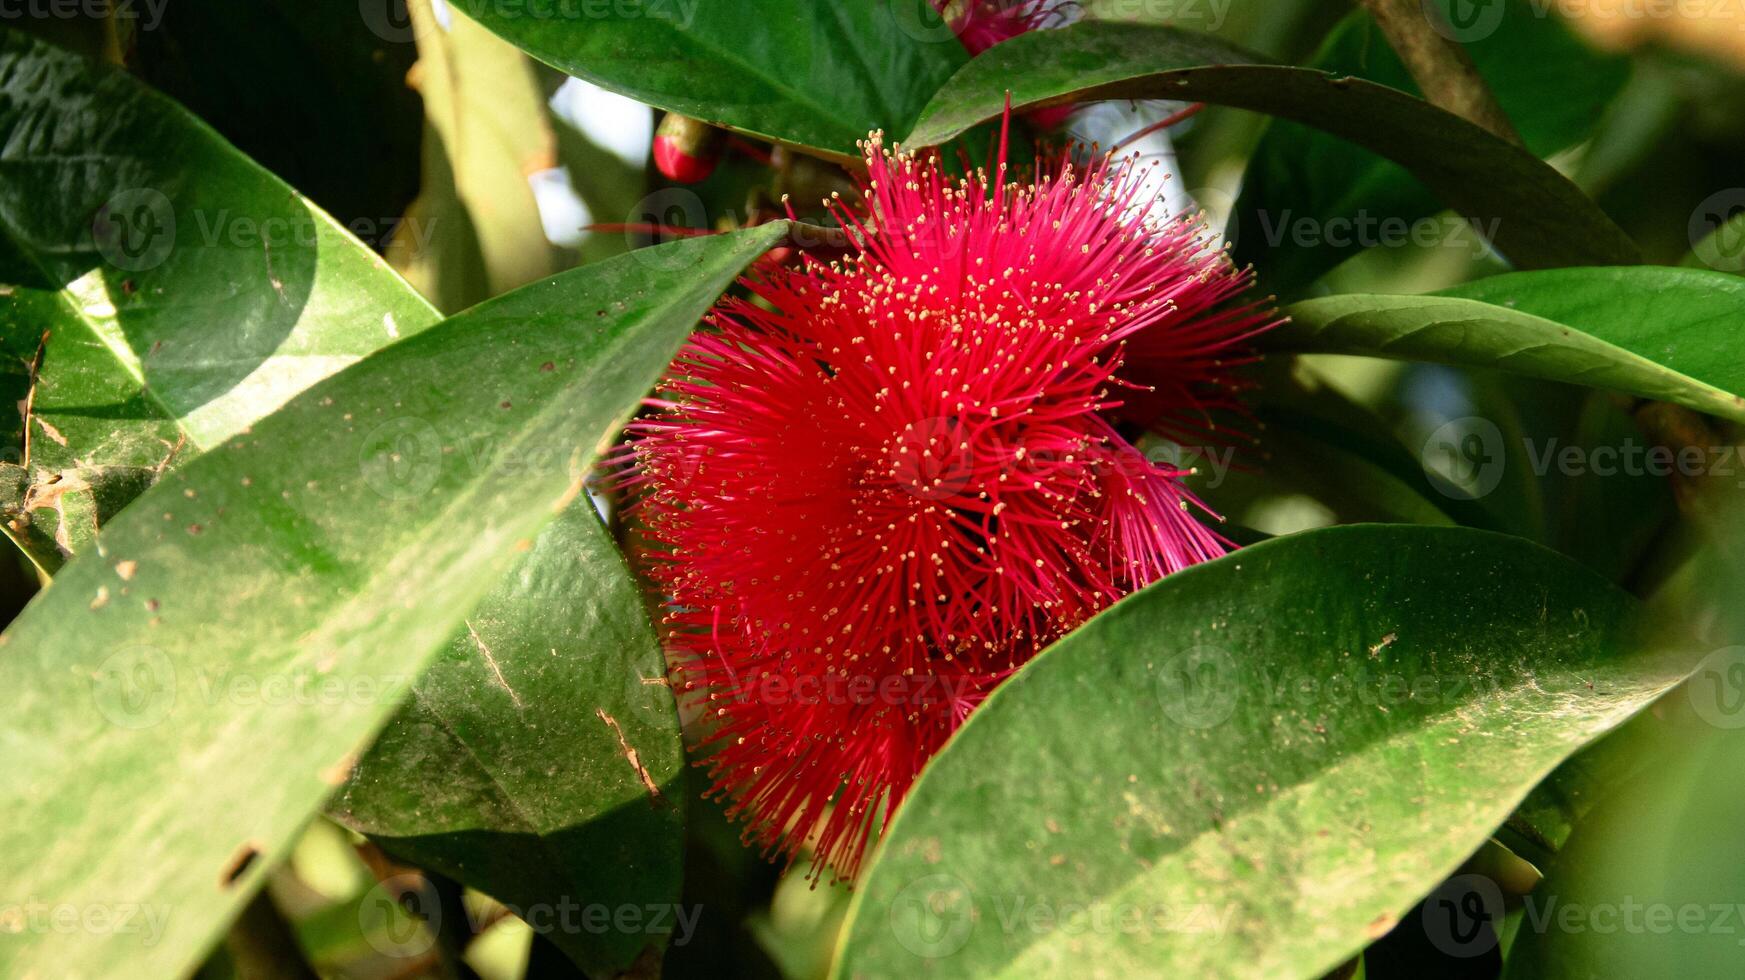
pixel 188 692
pixel 1290 747
pixel 538 759
pixel 159 291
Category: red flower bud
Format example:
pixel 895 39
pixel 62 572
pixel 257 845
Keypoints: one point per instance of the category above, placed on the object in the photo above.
pixel 686 150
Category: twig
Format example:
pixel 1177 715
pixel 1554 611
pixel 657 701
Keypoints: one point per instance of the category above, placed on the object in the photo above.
pixel 1441 67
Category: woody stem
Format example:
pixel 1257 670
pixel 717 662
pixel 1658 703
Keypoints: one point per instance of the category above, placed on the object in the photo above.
pixel 1439 65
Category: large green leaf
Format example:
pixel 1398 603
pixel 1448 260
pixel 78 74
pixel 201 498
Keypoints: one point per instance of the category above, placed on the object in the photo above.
pixel 1253 767
pixel 539 759
pixel 1660 333
pixel 1303 182
pixel 186 694
pixel 1540 218
pixel 158 292
pixel 820 75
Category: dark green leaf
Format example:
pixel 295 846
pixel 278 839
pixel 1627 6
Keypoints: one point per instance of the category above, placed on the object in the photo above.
pixel 538 759
pixel 819 75
pixel 1286 749
pixel 188 692
pixel 1540 218
pixel 158 293
pixel 1659 333
pixel 304 87
pixel 1551 85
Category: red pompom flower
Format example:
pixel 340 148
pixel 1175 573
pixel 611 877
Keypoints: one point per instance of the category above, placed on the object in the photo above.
pixel 888 482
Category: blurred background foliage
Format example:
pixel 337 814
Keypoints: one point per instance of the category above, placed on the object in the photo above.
pixel 475 169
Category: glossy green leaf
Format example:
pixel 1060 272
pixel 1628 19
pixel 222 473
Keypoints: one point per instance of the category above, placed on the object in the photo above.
pixel 538 759
pixel 1659 333
pixel 158 293
pixel 1286 749
pixel 1540 218
pixel 819 75
pixel 1305 190
pixel 187 693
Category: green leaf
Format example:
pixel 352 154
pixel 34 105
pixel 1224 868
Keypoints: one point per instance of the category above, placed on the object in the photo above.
pixel 818 75
pixel 1540 218
pixel 185 695
pixel 1660 333
pixel 538 759
pixel 158 293
pixel 300 88
pixel 1552 86
pixel 1289 747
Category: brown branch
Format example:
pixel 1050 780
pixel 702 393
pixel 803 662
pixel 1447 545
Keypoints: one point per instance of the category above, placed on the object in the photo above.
pixel 1441 67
